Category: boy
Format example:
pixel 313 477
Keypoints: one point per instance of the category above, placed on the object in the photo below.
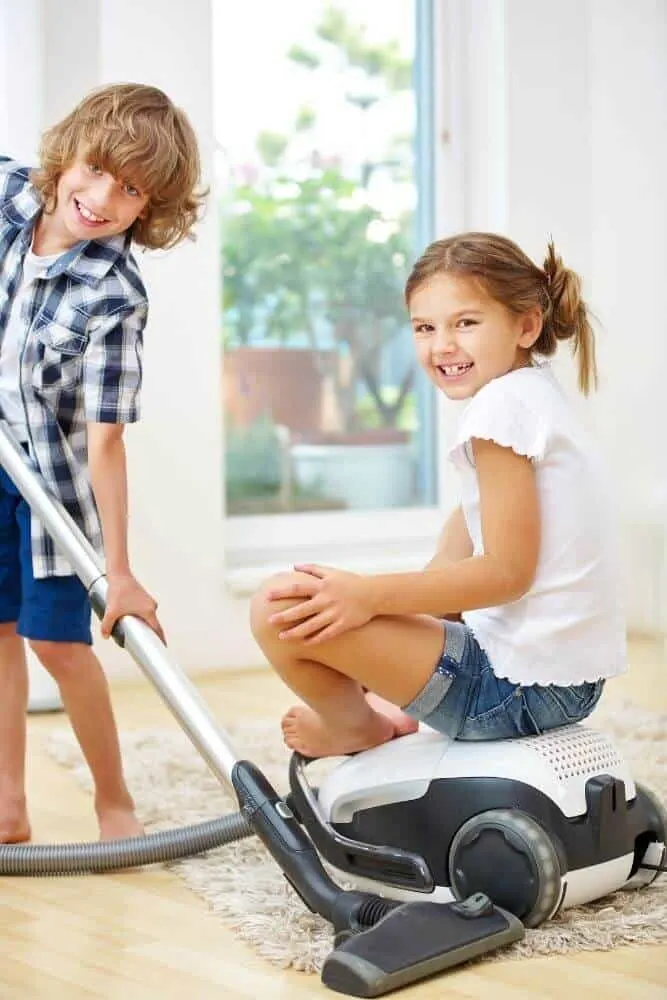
pixel 122 166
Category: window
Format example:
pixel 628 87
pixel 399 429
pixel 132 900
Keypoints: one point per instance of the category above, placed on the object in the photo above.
pixel 324 160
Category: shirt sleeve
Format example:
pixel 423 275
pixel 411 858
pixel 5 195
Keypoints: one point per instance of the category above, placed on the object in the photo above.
pixel 14 182
pixel 498 414
pixel 112 368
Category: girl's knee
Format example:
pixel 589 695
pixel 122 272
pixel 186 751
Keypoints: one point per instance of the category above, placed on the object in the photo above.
pixel 262 607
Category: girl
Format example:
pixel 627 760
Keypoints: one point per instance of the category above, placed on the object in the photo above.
pixel 516 622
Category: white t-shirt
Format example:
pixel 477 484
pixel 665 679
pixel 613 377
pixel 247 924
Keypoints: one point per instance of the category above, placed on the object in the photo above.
pixel 13 340
pixel 570 626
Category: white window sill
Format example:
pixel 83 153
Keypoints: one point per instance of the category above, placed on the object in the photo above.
pixel 386 541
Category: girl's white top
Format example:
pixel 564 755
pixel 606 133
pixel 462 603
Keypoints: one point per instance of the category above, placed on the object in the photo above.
pixel 570 626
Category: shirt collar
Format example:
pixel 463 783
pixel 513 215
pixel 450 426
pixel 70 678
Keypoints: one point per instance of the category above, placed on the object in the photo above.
pixel 90 260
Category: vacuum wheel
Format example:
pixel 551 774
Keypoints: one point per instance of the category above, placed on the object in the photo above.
pixel 508 856
pixel 651 844
pixel 657 808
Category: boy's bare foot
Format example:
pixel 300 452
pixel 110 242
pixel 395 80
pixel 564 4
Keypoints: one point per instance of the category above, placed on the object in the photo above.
pixel 14 824
pixel 118 822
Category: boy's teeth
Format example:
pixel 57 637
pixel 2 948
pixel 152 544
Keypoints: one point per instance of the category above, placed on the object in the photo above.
pixel 87 214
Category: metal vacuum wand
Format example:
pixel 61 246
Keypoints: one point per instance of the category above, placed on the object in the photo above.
pixel 148 651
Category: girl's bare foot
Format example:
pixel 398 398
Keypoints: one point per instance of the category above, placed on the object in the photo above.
pixel 118 822
pixel 403 724
pixel 306 732
pixel 14 823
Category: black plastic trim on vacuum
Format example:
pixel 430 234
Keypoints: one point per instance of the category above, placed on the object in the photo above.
pixel 608 830
pixel 391 865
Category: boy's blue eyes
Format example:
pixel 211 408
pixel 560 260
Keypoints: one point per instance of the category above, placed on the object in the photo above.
pixel 127 188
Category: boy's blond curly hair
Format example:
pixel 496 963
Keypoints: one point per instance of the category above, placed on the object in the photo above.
pixel 134 132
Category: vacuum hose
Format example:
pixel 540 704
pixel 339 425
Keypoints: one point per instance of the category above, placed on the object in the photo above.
pixel 112 855
pixel 175 688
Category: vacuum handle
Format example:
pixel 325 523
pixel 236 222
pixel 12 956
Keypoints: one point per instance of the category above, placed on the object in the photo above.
pixel 143 645
pixel 282 835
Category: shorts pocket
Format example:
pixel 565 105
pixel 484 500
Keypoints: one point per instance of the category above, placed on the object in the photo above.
pixel 496 711
pixel 554 706
pixel 572 703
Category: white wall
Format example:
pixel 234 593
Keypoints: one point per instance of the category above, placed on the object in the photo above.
pixel 563 111
pixel 175 452
pixel 628 224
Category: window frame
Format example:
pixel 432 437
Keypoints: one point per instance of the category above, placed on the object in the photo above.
pixel 387 540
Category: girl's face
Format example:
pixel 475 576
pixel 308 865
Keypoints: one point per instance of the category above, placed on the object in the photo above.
pixel 464 338
pixel 92 204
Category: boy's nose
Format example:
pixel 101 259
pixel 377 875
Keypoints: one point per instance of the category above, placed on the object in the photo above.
pixel 102 192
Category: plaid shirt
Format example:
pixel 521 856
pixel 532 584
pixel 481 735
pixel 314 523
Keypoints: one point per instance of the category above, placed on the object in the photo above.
pixel 81 357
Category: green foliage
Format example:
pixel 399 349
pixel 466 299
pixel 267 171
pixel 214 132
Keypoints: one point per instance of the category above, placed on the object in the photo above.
pixel 307 258
pixel 383 61
pixel 252 460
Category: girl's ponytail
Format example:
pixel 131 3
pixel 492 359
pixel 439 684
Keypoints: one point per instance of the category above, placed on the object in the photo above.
pixel 511 278
pixel 566 318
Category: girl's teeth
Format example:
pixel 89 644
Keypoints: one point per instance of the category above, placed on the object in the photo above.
pixel 455 369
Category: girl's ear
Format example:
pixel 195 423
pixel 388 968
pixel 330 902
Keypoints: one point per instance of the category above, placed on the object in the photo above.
pixel 531 327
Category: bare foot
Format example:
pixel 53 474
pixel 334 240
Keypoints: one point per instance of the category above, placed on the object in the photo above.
pixel 117 823
pixel 306 732
pixel 403 724
pixel 14 823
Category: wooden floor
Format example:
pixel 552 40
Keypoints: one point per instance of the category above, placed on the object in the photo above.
pixel 144 935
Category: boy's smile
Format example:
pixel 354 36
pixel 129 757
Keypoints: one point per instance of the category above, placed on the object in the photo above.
pixel 90 204
pixel 464 338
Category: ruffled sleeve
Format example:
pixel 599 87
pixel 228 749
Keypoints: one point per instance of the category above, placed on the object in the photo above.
pixel 498 413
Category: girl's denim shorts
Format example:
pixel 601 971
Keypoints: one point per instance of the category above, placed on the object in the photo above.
pixel 465 700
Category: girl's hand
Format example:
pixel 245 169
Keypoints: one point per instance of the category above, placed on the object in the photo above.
pixel 332 601
pixel 126 596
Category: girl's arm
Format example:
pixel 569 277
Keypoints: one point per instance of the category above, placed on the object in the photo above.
pixel 331 601
pixel 454 543
pixel 511 534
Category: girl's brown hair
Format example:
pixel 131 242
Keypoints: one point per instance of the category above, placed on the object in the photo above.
pixel 510 277
pixel 135 133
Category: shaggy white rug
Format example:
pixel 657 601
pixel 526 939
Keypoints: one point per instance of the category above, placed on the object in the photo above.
pixel 172 787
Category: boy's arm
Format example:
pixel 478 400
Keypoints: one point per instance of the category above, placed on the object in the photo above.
pixel 112 374
pixel 108 476
pixel 511 534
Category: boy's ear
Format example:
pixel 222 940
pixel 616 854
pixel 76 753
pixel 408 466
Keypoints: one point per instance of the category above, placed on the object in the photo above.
pixel 531 327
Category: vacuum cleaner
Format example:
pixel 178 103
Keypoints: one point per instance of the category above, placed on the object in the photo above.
pixel 456 848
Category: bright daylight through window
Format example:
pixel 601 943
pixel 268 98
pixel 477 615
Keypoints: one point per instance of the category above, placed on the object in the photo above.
pixel 316 123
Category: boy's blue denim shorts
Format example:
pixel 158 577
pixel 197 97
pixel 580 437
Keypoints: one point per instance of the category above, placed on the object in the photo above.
pixel 56 608
pixel 465 700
